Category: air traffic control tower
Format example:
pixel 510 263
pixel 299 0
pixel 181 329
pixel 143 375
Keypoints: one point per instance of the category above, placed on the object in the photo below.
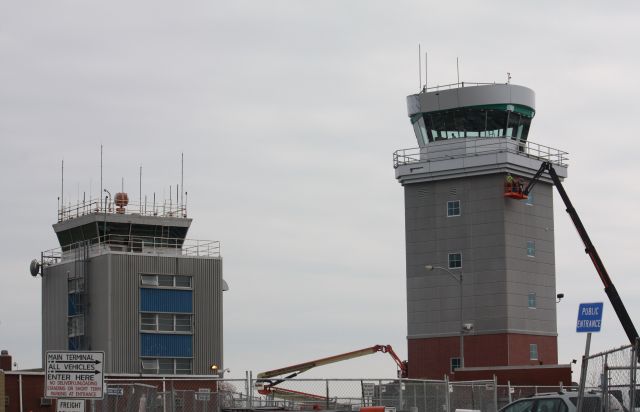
pixel 126 281
pixel 481 289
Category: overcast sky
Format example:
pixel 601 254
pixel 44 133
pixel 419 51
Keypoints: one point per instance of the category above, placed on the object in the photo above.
pixel 288 113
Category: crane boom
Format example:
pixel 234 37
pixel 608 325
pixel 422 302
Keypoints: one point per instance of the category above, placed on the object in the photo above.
pixel 590 249
pixel 266 384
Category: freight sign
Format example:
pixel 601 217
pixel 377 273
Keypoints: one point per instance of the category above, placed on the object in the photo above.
pixel 589 317
pixel 74 374
pixel 69 405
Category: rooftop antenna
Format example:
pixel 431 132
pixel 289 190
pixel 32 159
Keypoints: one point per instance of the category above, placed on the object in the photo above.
pixel 508 78
pixel 100 194
pixel 419 67
pixel 458 70
pixel 140 191
pixel 426 65
pixel 122 184
pixel 62 187
pixel 182 179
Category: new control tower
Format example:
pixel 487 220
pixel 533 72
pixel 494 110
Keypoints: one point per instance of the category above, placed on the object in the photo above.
pixel 481 288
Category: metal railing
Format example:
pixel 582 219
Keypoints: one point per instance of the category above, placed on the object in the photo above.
pixel 455 86
pixel 153 245
pixel 467 147
pixel 92 206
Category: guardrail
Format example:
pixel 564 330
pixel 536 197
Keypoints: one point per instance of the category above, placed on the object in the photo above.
pixel 464 147
pixel 134 244
pixel 91 206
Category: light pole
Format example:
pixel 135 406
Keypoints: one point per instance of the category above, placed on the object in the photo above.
pixel 459 280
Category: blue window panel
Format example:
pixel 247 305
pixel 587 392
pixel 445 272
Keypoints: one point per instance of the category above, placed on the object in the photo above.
pixel 166 300
pixel 157 344
pixel 71 307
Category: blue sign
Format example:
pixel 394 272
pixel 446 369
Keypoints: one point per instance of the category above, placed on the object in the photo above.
pixel 589 317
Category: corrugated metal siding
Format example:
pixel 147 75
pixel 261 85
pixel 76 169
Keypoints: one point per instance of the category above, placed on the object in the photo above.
pixel 54 307
pixel 166 300
pixel 157 344
pixel 114 312
pixel 208 324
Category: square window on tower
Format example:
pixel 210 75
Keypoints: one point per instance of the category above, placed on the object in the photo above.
pixel 531 248
pixel 455 260
pixel 533 351
pixel 453 208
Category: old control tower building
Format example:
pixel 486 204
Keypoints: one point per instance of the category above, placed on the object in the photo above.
pixel 480 265
pixel 126 280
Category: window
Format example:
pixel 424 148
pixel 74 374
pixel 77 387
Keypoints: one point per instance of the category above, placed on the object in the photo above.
pixel 532 300
pixel 455 364
pixel 531 248
pixel 166 366
pixel 453 208
pixel 166 281
pixel 520 406
pixel 533 351
pixel 165 322
pixel 455 260
pixel 75 325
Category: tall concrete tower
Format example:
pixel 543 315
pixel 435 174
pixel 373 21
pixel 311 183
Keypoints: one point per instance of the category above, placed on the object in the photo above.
pixel 126 280
pixel 480 265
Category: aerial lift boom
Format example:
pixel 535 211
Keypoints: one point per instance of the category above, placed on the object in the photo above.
pixel 266 384
pixel 590 249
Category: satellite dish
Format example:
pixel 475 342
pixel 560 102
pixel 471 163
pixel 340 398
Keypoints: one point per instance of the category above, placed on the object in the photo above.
pixel 34 267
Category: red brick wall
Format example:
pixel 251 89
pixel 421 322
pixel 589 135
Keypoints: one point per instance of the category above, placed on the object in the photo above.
pixel 430 357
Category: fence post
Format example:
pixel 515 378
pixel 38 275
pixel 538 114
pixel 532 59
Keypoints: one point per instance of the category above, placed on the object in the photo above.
pixel 250 393
pixel 634 369
pixel 326 382
pixel 495 391
pixel 447 393
pixel 20 391
pixel 400 394
pixel 605 382
pixel 424 392
pixel 164 394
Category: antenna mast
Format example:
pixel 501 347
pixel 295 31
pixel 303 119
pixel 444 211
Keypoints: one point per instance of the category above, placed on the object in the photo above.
pixel 62 189
pixel 100 194
pixel 182 179
pixel 426 65
pixel 419 67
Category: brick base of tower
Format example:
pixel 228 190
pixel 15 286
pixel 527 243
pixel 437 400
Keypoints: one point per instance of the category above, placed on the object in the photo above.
pixel 429 358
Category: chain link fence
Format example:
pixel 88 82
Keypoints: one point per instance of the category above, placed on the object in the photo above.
pixel 614 373
pixel 233 395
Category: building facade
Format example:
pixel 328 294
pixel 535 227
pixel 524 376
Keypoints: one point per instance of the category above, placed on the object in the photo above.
pixel 128 282
pixel 480 265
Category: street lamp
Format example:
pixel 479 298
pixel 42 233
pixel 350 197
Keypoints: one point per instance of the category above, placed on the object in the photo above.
pixel 216 370
pixel 462 329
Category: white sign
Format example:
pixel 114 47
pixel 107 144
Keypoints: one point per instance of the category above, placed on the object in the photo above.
pixel 203 394
pixel 74 375
pixel 115 391
pixel 68 405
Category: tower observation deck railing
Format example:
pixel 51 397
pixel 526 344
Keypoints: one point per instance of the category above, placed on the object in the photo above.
pixel 81 208
pixel 468 147
pixel 163 246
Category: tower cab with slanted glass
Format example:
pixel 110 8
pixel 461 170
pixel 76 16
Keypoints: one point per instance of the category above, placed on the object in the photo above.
pixel 486 111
